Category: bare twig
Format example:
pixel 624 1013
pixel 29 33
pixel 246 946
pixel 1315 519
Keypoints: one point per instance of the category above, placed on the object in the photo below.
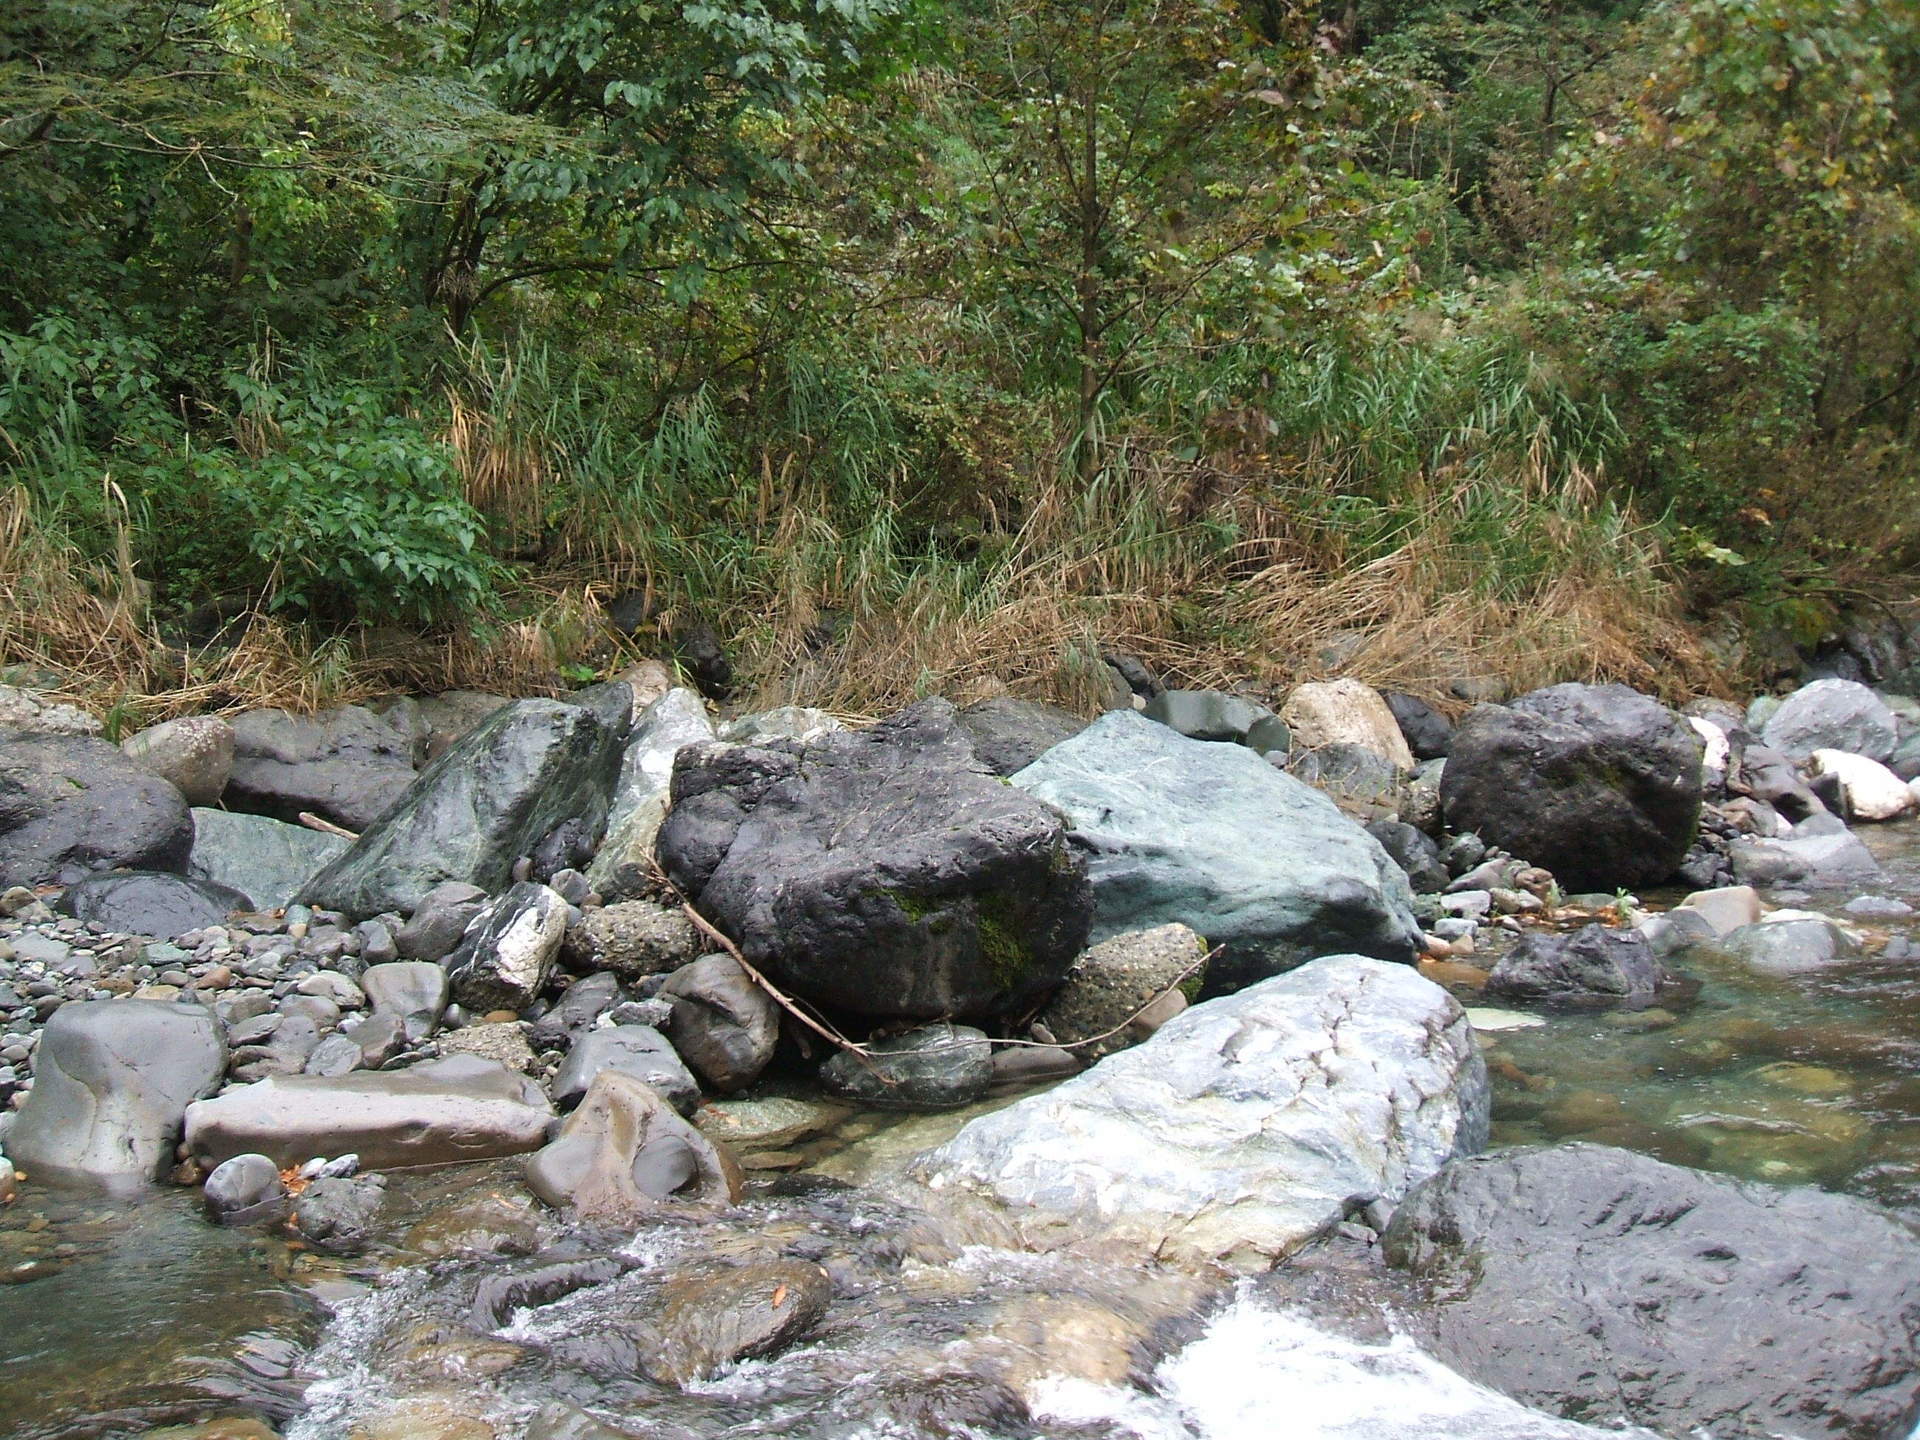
pixel 326 827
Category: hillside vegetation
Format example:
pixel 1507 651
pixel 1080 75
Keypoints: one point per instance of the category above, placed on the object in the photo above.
pixel 353 343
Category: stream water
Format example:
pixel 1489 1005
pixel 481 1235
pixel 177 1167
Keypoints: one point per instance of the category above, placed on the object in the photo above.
pixel 128 1317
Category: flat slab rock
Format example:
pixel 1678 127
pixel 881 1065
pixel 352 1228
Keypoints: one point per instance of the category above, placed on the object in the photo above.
pixel 1600 1284
pixel 1245 1127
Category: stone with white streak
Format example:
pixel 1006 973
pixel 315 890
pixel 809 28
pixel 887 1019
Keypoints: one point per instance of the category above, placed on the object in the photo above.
pixel 507 955
pixel 1868 790
pixel 678 718
pixel 1246 1126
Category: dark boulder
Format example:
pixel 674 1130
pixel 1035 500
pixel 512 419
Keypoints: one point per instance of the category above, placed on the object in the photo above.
pixel 71 804
pixel 1592 964
pixel 882 871
pixel 723 1024
pixel 1428 733
pixel 1599 783
pixel 338 1213
pixel 532 767
pixel 149 902
pixel 348 765
pixel 1009 735
pixel 1414 853
pixel 1600 1284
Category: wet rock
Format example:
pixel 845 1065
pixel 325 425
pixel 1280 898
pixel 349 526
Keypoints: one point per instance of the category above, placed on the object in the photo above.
pixel 112 1080
pixel 70 805
pixel 713 1319
pixel 1206 714
pixel 768 1124
pixel 633 938
pixel 264 859
pixel 1113 988
pixel 1214 837
pixel 194 754
pixel 147 902
pixel 412 990
pixel 1345 712
pixel 579 1006
pixel 339 1215
pixel 498 1296
pixel 1414 853
pixel 506 957
pixel 438 922
pixel 882 871
pixel 723 1024
pixel 1599 1284
pixel 460 1108
pixel 1818 859
pixel 246 1190
pixel 1592 964
pixel 489 1223
pixel 347 765
pixel 534 766
pixel 1868 790
pixel 1598 783
pixel 1009 735
pixel 1832 715
pixel 1427 732
pixel 936 1067
pixel 636 1050
pixel 624 1152
pixel 1247 1126
pixel 677 719
pixel 1791 947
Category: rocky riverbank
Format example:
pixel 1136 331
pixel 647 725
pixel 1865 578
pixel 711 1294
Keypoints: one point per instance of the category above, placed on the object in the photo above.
pixel 654 961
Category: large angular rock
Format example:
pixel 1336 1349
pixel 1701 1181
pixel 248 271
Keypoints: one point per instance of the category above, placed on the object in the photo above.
pixel 264 859
pixel 722 1023
pixel 1598 783
pixel 460 1108
pixel 1345 712
pixel 1215 838
pixel 884 871
pixel 668 725
pixel 624 1153
pixel 194 754
pixel 70 805
pixel 347 765
pixel 1009 735
pixel 530 768
pixel 1603 1285
pixel 1833 715
pixel 150 902
pixel 1246 1126
pixel 113 1080
pixel 507 955
pixel 1595 964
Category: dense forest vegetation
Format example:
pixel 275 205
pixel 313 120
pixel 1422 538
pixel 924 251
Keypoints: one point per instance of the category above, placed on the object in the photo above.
pixel 911 346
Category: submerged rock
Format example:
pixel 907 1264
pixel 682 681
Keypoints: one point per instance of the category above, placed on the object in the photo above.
pixel 1599 1284
pixel 70 805
pixel 1246 1126
pixel 937 1067
pixel 715 1318
pixel 1215 838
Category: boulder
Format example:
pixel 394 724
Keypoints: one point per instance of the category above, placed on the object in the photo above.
pixel 1604 1286
pixel 1592 964
pixel 637 1050
pixel 713 1318
pixel 112 1081
pixel 414 991
pixel 1414 853
pixel 677 719
pixel 883 871
pixel 437 1113
pixel 507 955
pixel 1215 838
pixel 633 938
pixel 1598 783
pixel 1366 782
pixel 244 1191
pixel 347 765
pixel 1725 909
pixel 1009 735
pixel 264 859
pixel 533 767
pixel 1868 790
pixel 1247 1126
pixel 1345 712
pixel 937 1067
pixel 723 1024
pixel 440 921
pixel 337 1213
pixel 579 1006
pixel 70 805
pixel 1125 988
pixel 1832 715
pixel 148 902
pixel 194 754
pixel 1791 947
pixel 449 717
pixel 32 713
pixel 1427 732
pixel 1206 714
pixel 623 1153
pixel 1835 859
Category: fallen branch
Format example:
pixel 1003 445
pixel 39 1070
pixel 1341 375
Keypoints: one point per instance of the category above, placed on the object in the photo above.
pixel 325 827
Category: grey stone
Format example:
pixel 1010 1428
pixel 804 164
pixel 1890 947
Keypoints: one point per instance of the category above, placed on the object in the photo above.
pixel 436 1113
pixel 583 1002
pixel 1414 853
pixel 1215 838
pixel 723 1025
pixel 1367 781
pixel 70 805
pixel 1832 715
pixel 264 859
pixel 1206 714
pixel 1835 860
pixel 1246 1127
pixel 1791 947
pixel 1592 964
pixel 883 871
pixel 713 1318
pixel 194 754
pixel 112 1081
pixel 449 717
pixel 677 719
pixel 412 990
pixel 1598 783
pixel 507 956
pixel 623 1153
pixel 632 938
pixel 337 1214
pixel 347 765
pixel 380 1036
pixel 636 1050
pixel 27 711
pixel 244 1191
pixel 377 945
pixel 1427 732
pixel 801 723
pixel 1605 1286
pixel 1112 983
pixel 1269 735
pixel 534 766
pixel 148 902
pixel 936 1067
pixel 336 1055
pixel 440 920
pixel 1725 909
pixel 1009 735
pixel 501 1041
